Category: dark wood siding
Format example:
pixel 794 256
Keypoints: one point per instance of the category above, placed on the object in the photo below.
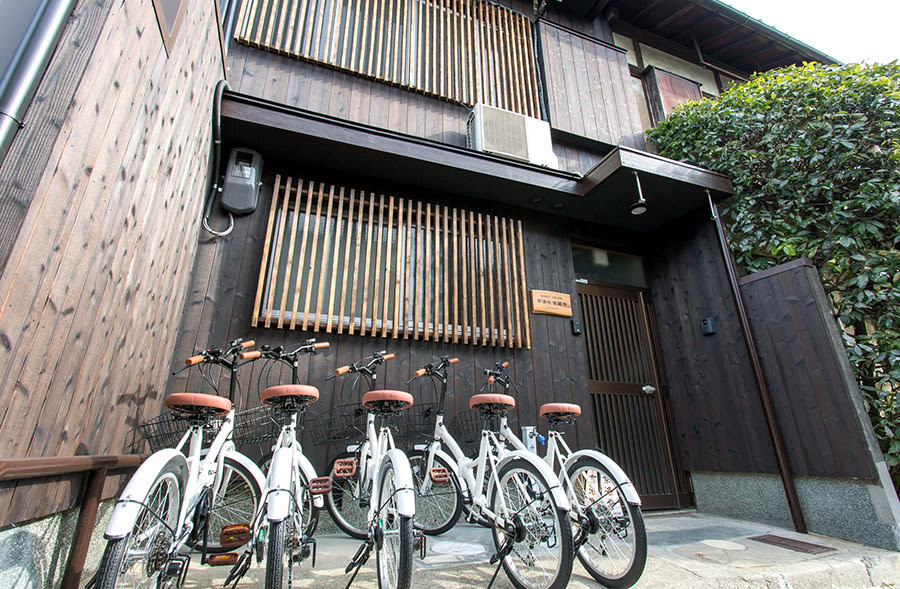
pixel 97 279
pixel 665 91
pixel 718 415
pixel 588 87
pixel 220 308
pixel 816 398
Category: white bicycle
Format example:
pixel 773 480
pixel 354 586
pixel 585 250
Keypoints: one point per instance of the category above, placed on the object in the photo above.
pixel 175 500
pixel 286 520
pixel 372 496
pixel 608 528
pixel 516 492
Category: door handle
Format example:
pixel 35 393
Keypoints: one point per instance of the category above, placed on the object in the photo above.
pixel 648 389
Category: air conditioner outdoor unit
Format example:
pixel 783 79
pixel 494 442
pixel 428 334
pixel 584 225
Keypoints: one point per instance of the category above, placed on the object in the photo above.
pixel 509 134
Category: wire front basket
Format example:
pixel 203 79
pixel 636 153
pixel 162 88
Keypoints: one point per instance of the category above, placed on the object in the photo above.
pixel 167 430
pixel 344 423
pixel 417 422
pixel 259 424
pixel 465 427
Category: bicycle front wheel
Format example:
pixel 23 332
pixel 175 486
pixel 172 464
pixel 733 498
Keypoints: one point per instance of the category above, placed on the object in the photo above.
pixel 438 508
pixel 138 559
pixel 394 556
pixel 612 539
pixel 537 539
pixel 278 553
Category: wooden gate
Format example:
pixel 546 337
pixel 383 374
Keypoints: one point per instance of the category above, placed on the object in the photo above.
pixel 629 391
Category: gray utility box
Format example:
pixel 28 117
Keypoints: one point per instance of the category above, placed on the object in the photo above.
pixel 240 191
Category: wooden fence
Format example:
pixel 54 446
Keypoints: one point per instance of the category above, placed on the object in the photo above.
pixel 468 51
pixel 340 259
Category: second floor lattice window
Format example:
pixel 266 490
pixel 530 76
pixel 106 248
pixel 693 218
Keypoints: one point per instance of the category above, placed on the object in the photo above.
pixel 468 51
pixel 339 259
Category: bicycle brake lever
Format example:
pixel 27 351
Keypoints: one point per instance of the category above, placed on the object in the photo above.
pixel 180 370
pixel 329 377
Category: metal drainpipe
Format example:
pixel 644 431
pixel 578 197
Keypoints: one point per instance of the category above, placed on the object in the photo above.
pixel 21 80
pixel 781 457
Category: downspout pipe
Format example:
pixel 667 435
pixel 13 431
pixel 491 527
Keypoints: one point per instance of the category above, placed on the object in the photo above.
pixel 781 456
pixel 214 186
pixel 20 82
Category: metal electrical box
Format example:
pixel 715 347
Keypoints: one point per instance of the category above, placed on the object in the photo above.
pixel 240 191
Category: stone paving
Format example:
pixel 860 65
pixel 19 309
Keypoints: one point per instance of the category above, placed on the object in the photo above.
pixel 687 549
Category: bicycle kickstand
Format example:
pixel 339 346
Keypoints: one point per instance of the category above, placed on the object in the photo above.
pixel 502 553
pixel 359 559
pixel 239 569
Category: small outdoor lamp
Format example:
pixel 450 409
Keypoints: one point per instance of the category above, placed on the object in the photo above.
pixel 640 207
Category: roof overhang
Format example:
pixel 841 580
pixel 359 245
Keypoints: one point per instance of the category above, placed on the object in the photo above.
pixel 603 195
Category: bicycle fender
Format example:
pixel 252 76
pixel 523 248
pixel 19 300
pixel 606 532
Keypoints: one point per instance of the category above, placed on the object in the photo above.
pixel 309 472
pixel 556 489
pixel 128 506
pixel 251 466
pixel 278 483
pixel 403 482
pixel 625 484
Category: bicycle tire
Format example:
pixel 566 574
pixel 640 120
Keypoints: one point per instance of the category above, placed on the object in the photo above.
pixel 405 549
pixel 174 475
pixel 275 562
pixel 445 516
pixel 345 510
pixel 541 506
pixel 244 492
pixel 611 517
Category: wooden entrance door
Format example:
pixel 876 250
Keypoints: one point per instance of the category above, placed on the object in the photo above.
pixel 629 391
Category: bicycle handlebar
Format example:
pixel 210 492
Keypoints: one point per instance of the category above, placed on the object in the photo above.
pixel 368 368
pixel 434 369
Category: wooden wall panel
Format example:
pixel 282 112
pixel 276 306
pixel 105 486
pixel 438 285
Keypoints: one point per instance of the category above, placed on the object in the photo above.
pixel 718 416
pixel 553 370
pixel 665 91
pixel 813 387
pixel 588 87
pixel 97 280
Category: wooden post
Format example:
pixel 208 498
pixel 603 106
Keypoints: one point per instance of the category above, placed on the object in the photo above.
pixel 781 457
pixel 87 518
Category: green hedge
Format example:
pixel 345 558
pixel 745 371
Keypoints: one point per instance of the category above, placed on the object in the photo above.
pixel 815 155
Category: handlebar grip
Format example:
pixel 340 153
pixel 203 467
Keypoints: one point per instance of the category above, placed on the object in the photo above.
pixel 452 360
pixel 248 344
pixel 193 360
pixel 505 364
pixel 320 345
pixel 341 370
pixel 390 356
pixel 491 380
pixel 250 355
pixel 419 372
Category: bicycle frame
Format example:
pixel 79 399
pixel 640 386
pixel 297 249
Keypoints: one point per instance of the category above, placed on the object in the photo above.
pixel 382 440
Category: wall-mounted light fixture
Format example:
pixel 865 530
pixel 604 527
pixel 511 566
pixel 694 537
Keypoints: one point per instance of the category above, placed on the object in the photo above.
pixel 640 207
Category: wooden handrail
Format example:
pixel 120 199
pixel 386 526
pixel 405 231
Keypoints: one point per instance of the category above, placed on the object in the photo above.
pixel 30 468
pixel 97 467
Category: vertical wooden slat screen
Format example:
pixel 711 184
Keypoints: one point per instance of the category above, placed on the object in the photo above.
pixel 337 258
pixel 466 51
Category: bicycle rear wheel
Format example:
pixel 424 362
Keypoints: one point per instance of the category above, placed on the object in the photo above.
pixel 348 500
pixel 613 541
pixel 141 557
pixel 438 509
pixel 236 503
pixel 537 540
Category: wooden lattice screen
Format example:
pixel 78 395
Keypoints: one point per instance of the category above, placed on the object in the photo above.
pixel 464 50
pixel 344 260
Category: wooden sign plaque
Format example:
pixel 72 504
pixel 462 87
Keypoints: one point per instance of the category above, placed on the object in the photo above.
pixel 547 302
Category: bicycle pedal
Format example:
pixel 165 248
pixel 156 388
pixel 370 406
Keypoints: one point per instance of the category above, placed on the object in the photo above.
pixel 344 468
pixel 440 474
pixel 320 486
pixel 220 560
pixel 235 536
